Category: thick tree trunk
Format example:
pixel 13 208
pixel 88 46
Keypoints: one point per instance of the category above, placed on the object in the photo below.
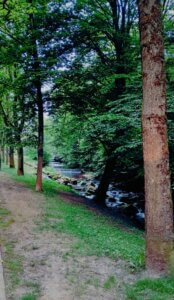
pixel 6 156
pixel 40 137
pixel 20 170
pixel 104 182
pixel 159 211
pixel 11 158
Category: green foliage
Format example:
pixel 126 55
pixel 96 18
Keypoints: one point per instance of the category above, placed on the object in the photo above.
pixel 98 98
pixel 89 58
pixel 46 159
pixel 32 155
pixel 87 139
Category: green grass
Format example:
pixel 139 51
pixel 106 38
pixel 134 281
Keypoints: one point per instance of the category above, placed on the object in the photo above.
pixel 29 296
pixel 109 283
pixel 152 289
pixel 49 186
pixel 96 235
pixel 4 212
pixel 13 263
pixel 5 219
pixel 94 282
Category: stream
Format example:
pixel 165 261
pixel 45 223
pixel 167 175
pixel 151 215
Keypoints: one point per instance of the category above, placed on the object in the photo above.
pixel 118 201
pixel 64 171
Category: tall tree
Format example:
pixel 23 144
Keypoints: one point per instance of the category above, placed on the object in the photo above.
pixel 159 211
pixel 101 33
pixel 39 100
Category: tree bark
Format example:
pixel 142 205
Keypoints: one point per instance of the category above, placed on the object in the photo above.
pixel 20 170
pixel 104 182
pixel 121 31
pixel 6 156
pixel 38 86
pixel 3 155
pixel 40 137
pixel 11 158
pixel 158 200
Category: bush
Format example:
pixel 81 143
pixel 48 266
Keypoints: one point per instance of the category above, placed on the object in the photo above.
pixel 32 155
pixel 46 158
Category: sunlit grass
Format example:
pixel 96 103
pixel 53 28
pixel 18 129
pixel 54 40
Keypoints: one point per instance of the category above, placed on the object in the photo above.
pixel 97 235
pixel 49 186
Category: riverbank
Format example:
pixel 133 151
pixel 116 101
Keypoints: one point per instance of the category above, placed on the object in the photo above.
pixel 120 205
pixel 49 233
pixel 53 247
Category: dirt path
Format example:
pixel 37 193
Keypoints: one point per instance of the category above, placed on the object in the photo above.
pixel 45 265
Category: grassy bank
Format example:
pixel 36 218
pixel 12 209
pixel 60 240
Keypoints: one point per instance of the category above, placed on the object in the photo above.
pixel 96 235
pixel 12 262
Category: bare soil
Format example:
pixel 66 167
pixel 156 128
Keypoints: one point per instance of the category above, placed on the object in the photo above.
pixel 46 256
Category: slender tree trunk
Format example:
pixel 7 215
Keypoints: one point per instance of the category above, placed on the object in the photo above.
pixel 3 148
pixel 40 137
pixel 11 158
pixel 104 182
pixel 3 155
pixel 20 170
pixel 120 83
pixel 38 85
pixel 159 211
pixel 6 156
pixel 121 43
pixel 0 160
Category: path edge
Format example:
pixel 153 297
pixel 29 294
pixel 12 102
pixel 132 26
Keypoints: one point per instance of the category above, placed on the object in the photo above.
pixel 2 283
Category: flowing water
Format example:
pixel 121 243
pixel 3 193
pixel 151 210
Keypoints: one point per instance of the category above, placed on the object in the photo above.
pixel 64 171
pixel 128 203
